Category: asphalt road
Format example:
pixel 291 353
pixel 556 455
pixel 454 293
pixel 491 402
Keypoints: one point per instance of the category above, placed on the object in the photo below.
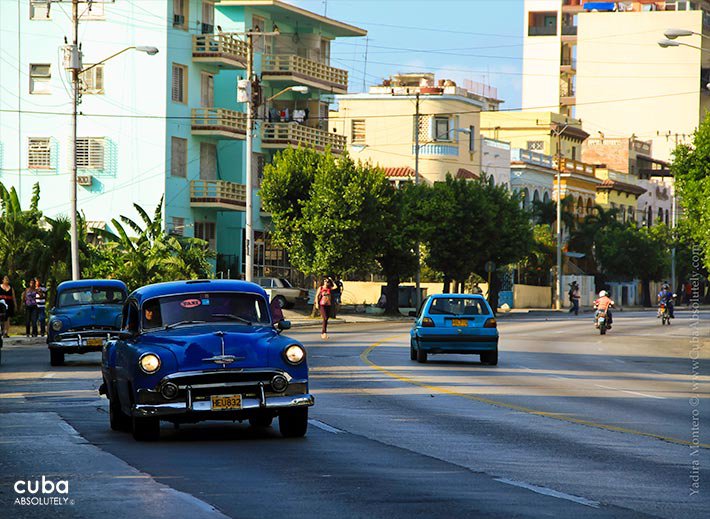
pixel 569 424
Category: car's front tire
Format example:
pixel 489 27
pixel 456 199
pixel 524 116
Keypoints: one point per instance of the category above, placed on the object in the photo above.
pixel 490 358
pixel 293 423
pixel 118 420
pixel 56 358
pixel 146 429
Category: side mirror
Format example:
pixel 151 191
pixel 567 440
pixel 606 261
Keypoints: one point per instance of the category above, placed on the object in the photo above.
pixel 283 325
pixel 412 313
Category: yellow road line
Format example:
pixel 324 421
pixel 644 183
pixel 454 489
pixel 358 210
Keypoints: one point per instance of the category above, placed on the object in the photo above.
pixel 365 357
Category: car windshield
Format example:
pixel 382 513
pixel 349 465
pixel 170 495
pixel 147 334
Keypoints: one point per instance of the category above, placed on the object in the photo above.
pixel 90 296
pixel 458 306
pixel 205 307
pixel 285 283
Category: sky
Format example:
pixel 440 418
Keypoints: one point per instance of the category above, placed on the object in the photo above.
pixel 479 40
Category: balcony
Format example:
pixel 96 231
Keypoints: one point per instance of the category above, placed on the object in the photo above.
pixel 569 30
pixel 223 49
pixel 568 65
pixel 542 30
pixel 218 194
pixel 295 69
pixel 219 122
pixel 575 166
pixel 284 135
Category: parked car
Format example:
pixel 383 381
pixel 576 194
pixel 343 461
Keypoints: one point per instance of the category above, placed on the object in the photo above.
pixel 454 323
pixel 86 314
pixel 204 350
pixel 281 289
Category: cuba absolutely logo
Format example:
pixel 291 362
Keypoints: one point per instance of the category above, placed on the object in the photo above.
pixel 42 492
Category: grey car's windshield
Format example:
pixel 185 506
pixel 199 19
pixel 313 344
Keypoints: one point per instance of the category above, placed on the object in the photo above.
pixel 458 306
pixel 90 296
pixel 204 307
pixel 285 283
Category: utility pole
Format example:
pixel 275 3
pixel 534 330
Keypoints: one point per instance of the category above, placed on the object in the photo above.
pixel 673 250
pixel 249 263
pixel 418 281
pixel 558 288
pixel 75 69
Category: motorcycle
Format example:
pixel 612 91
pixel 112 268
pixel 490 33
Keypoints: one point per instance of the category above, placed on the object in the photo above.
pixel 665 315
pixel 602 322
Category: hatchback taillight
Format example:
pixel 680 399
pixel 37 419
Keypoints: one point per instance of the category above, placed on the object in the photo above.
pixel 428 322
pixel 490 323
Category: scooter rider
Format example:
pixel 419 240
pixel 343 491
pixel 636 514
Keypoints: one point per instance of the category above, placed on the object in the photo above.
pixel 603 304
pixel 665 296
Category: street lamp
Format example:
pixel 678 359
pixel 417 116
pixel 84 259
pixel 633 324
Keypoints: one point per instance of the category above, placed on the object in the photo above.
pixel 76 72
pixel 671 43
pixel 296 88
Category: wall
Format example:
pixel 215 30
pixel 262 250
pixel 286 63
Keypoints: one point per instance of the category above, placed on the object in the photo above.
pixel 359 292
pixel 627 84
pixel 496 161
pixel 587 289
pixel 527 296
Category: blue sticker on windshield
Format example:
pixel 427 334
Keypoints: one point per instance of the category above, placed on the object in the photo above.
pixel 205 302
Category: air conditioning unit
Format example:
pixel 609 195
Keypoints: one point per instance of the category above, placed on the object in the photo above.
pixel 178 19
pixel 84 180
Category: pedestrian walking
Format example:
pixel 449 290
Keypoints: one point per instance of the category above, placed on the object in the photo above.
pixel 41 305
pixel 277 314
pixel 324 299
pixel 476 289
pixel 574 297
pixel 29 301
pixel 337 294
pixel 7 294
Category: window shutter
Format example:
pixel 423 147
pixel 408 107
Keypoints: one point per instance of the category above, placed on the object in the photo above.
pixel 472 139
pixel 178 85
pixel 99 79
pixel 39 153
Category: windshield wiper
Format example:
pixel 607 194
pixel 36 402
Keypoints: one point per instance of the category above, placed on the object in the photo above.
pixel 181 323
pixel 234 318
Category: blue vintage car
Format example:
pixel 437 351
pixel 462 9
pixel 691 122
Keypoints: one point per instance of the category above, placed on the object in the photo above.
pixel 455 323
pixel 204 350
pixel 86 314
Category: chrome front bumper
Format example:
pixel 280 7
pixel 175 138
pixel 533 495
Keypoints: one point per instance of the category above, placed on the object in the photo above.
pixel 79 342
pixel 264 402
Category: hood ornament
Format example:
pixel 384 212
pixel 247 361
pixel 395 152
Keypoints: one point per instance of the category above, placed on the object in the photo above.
pixel 223 359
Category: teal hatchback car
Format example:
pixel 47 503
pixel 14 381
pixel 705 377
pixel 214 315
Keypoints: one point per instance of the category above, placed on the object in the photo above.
pixel 455 323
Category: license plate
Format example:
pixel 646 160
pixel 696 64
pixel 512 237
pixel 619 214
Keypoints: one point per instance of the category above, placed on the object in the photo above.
pixel 459 322
pixel 226 402
pixel 94 342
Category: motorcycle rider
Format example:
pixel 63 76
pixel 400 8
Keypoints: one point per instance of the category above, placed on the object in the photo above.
pixel 603 304
pixel 665 296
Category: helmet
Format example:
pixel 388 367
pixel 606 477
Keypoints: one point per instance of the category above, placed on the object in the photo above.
pixel 603 293
pixel 666 286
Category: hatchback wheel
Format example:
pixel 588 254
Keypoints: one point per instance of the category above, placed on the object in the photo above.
pixel 146 429
pixel 56 358
pixel 490 358
pixel 293 423
pixel 412 352
pixel 421 356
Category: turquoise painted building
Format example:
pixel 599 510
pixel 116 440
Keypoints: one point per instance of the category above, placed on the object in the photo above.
pixel 167 125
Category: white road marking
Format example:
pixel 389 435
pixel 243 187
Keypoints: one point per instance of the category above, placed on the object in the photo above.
pixel 632 392
pixel 49 375
pixel 324 426
pixel 549 492
pixel 659 372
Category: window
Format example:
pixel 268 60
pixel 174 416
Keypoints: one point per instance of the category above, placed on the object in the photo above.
pixel 258 162
pixel 207 17
pixel 39 153
pixel 207 90
pixel 40 76
pixel 472 139
pixel 258 24
pixel 442 129
pixel 536 146
pixel 93 80
pixel 358 131
pixel 542 23
pixel 90 153
pixel 574 152
pixel 92 11
pixel 206 231
pixel 180 14
pixel 179 85
pixel 178 157
pixel 177 226
pixel 208 161
pixel 39 10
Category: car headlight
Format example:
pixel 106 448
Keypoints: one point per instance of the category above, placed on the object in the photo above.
pixel 294 354
pixel 57 325
pixel 149 363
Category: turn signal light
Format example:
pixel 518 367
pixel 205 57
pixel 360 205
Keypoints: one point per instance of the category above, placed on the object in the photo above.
pixel 428 322
pixel 490 323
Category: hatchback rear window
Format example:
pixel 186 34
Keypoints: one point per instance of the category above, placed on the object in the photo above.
pixel 458 306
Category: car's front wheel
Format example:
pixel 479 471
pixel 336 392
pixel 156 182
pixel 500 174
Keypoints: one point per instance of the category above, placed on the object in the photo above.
pixel 56 358
pixel 146 429
pixel 118 420
pixel 293 423
pixel 490 358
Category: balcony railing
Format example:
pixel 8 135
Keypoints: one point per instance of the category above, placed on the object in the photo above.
pixel 568 61
pixel 283 135
pixel 305 71
pixel 223 48
pixel 542 30
pixel 218 194
pixel 575 166
pixel 531 157
pixel 219 122
pixel 569 30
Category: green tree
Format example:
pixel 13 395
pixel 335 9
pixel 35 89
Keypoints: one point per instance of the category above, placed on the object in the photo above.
pixel 535 267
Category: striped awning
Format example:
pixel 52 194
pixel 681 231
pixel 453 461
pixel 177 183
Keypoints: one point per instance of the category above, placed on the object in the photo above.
pixel 399 172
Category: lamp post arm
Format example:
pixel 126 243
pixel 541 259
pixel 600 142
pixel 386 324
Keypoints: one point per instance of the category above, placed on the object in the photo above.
pixel 105 60
pixel 268 100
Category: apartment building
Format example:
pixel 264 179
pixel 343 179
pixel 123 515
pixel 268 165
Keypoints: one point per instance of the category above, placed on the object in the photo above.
pixel 380 127
pixel 167 125
pixel 600 62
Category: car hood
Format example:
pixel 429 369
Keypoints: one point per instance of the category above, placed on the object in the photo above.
pixel 90 315
pixel 197 349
